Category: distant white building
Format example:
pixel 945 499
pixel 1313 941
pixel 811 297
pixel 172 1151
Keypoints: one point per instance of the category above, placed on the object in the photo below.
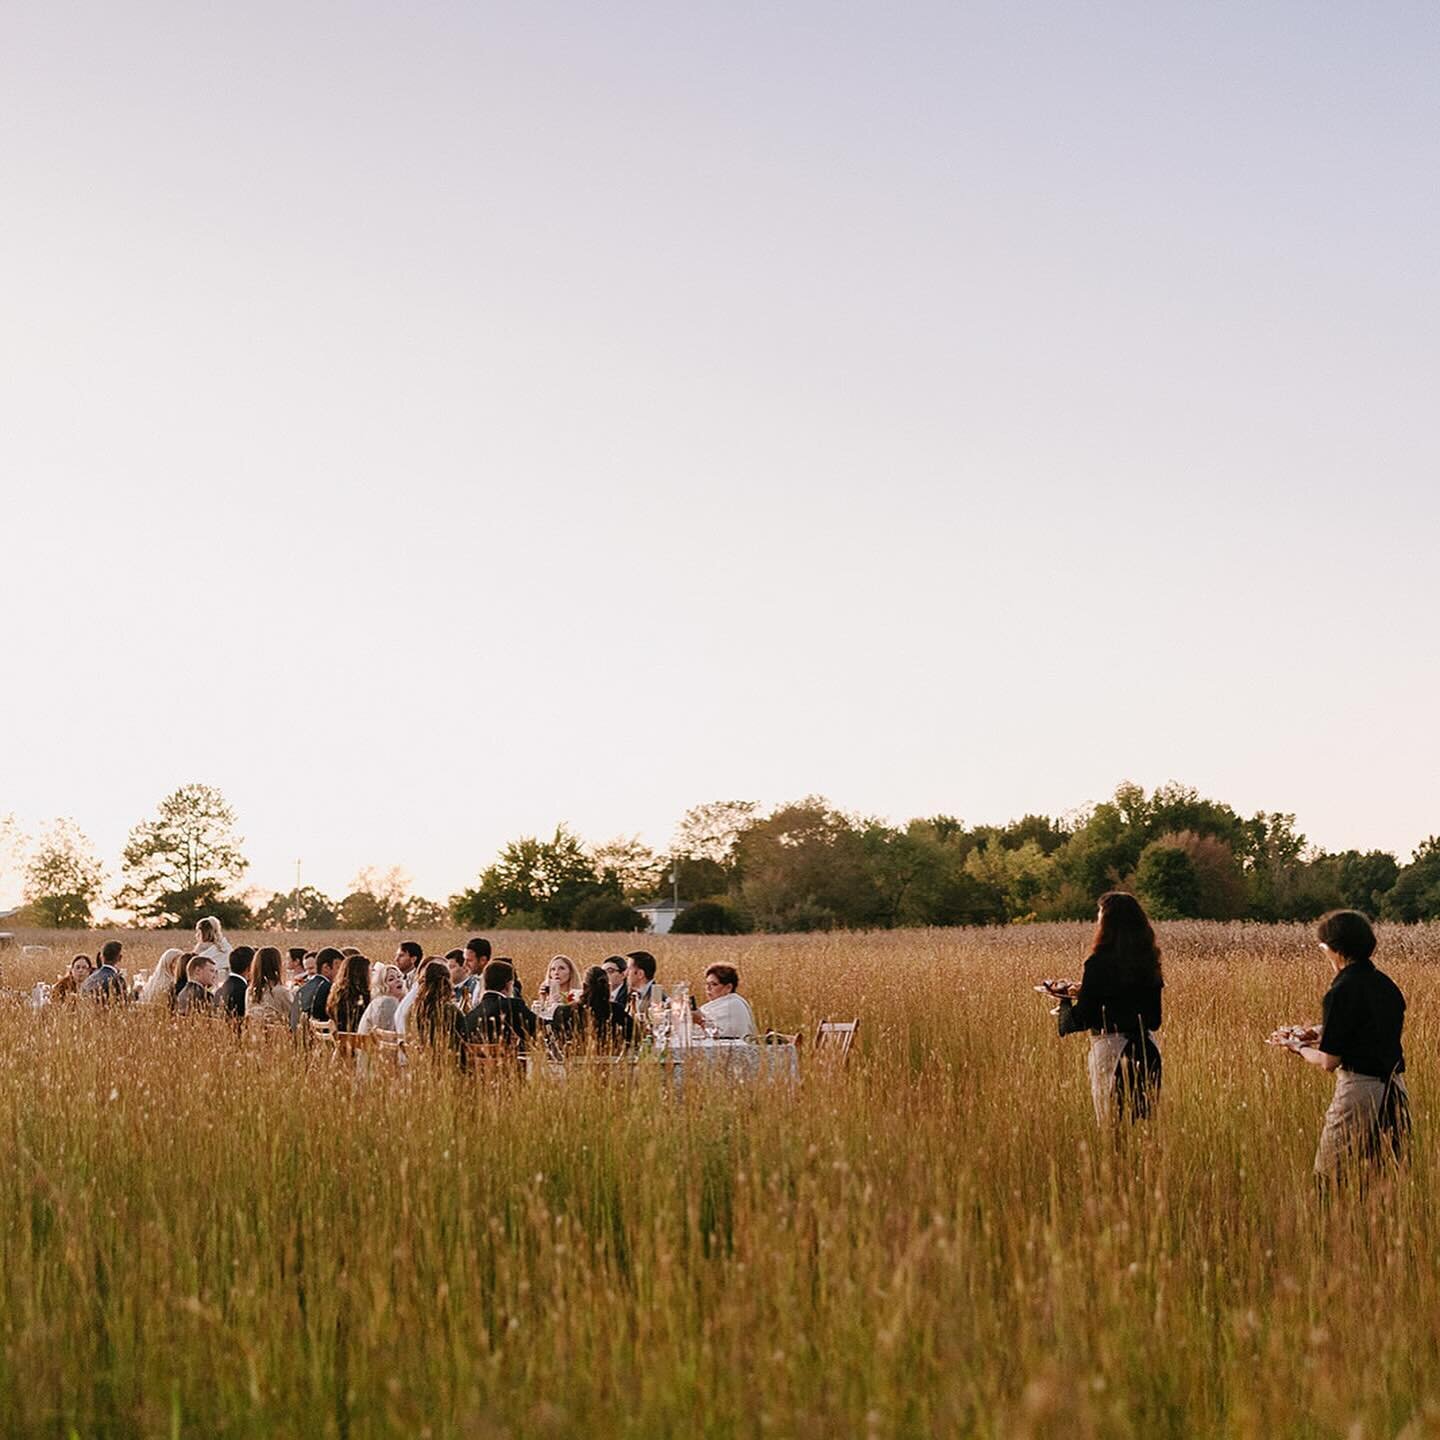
pixel 661 915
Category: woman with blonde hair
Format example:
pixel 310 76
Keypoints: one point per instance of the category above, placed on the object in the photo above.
pixel 389 989
pixel 159 987
pixel 561 986
pixel 271 1003
pixel 210 942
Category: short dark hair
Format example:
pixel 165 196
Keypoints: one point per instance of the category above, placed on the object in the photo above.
pixel 414 949
pixel 479 946
pixel 455 955
pixel 328 956
pixel 724 974
pixel 1347 933
pixel 497 975
pixel 643 961
pixel 240 958
pixel 110 952
pixel 615 960
pixel 298 952
pixel 195 964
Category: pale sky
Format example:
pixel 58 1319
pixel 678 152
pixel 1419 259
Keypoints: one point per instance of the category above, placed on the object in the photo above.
pixel 428 423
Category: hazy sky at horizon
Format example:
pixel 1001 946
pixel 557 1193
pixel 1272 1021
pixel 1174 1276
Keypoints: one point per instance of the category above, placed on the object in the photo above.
pixel 431 423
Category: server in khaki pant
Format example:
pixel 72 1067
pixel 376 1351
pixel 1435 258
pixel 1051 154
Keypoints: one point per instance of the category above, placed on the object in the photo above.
pixel 1364 1013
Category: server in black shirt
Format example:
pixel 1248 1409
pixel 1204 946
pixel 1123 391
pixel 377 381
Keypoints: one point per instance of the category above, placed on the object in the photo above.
pixel 1119 1004
pixel 1364 1013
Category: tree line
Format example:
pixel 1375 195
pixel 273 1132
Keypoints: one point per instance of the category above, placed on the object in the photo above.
pixel 804 865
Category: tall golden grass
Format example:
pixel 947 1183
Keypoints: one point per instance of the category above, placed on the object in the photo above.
pixel 210 1239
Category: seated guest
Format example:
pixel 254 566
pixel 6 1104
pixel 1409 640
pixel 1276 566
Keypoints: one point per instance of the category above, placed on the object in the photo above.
pixel 640 981
pixel 233 991
pixel 614 967
pixel 315 992
pixel 726 1012
pixel 475 957
pixel 560 985
pixel 68 985
pixel 408 956
pixel 271 1004
pixel 380 1013
pixel 106 983
pixel 295 967
pixel 159 988
pixel 195 998
pixel 455 966
pixel 350 995
pixel 403 1009
pixel 434 1020
pixel 594 1018
pixel 499 1014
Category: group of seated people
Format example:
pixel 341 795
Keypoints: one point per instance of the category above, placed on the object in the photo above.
pixel 467 996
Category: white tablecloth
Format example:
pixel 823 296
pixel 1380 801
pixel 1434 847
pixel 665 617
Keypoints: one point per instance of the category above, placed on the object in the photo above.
pixel 738 1058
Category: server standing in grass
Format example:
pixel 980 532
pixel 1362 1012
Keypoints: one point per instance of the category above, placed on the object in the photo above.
pixel 1118 1002
pixel 1364 1013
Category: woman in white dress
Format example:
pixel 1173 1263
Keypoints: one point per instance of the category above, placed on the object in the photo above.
pixel 726 1014
pixel 159 988
pixel 380 1012
pixel 210 942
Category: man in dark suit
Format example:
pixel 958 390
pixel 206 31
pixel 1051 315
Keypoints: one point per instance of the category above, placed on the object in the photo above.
pixel 231 996
pixel 107 983
pixel 194 997
pixel 499 1014
pixel 315 992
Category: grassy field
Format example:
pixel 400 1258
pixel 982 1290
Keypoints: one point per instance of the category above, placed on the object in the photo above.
pixel 205 1239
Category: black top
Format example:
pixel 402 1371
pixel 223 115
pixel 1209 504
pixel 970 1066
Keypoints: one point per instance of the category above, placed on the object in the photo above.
pixel 313 995
pixel 1364 1013
pixel 498 1017
pixel 231 996
pixel 1110 1002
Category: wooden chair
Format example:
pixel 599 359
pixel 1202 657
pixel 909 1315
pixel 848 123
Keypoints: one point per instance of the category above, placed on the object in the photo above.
pixel 321 1031
pixel 833 1039
pixel 488 1057
pixel 389 1048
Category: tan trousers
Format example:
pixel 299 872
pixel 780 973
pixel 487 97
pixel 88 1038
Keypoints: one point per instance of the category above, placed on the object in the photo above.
pixel 1352 1122
pixel 1102 1065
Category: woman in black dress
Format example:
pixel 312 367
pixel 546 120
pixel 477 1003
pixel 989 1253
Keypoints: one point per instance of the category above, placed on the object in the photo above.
pixel 1119 1004
pixel 1364 1013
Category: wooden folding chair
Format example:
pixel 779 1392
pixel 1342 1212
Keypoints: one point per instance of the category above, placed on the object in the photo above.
pixel 490 1057
pixel 321 1031
pixel 389 1048
pixel 833 1039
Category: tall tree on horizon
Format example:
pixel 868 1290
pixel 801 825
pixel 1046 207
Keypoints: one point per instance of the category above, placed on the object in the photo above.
pixel 179 865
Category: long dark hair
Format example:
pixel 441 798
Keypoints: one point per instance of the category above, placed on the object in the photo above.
pixel 1125 940
pixel 595 992
pixel 267 971
pixel 434 994
pixel 350 993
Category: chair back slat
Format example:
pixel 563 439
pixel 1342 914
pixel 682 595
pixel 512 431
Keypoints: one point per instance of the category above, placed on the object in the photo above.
pixel 835 1037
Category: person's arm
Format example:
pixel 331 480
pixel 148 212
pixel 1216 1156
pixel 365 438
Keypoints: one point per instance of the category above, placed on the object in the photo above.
pixel 1315 1056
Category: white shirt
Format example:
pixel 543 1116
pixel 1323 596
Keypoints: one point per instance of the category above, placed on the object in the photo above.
pixel 731 1016
pixel 402 1010
pixel 218 951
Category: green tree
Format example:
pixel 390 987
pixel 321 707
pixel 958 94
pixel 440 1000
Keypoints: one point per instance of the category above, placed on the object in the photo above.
pixel 628 865
pixel 1019 876
pixel 710 917
pixel 179 865
pixel 303 909
pixel 1166 883
pixel 1364 879
pixel 609 913
pixel 63 878
pixel 710 831
pixel 1416 892
pixel 546 879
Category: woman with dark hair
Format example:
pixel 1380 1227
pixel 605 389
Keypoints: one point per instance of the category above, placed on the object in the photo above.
pixel 1363 1014
pixel 270 1005
pixel 1118 1002
pixel 594 1016
pixel 434 1017
pixel 726 1014
pixel 350 993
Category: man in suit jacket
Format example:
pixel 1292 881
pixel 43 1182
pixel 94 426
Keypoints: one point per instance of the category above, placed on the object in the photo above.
pixel 194 997
pixel 641 980
pixel 107 983
pixel 232 994
pixel 315 992
pixel 499 1015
